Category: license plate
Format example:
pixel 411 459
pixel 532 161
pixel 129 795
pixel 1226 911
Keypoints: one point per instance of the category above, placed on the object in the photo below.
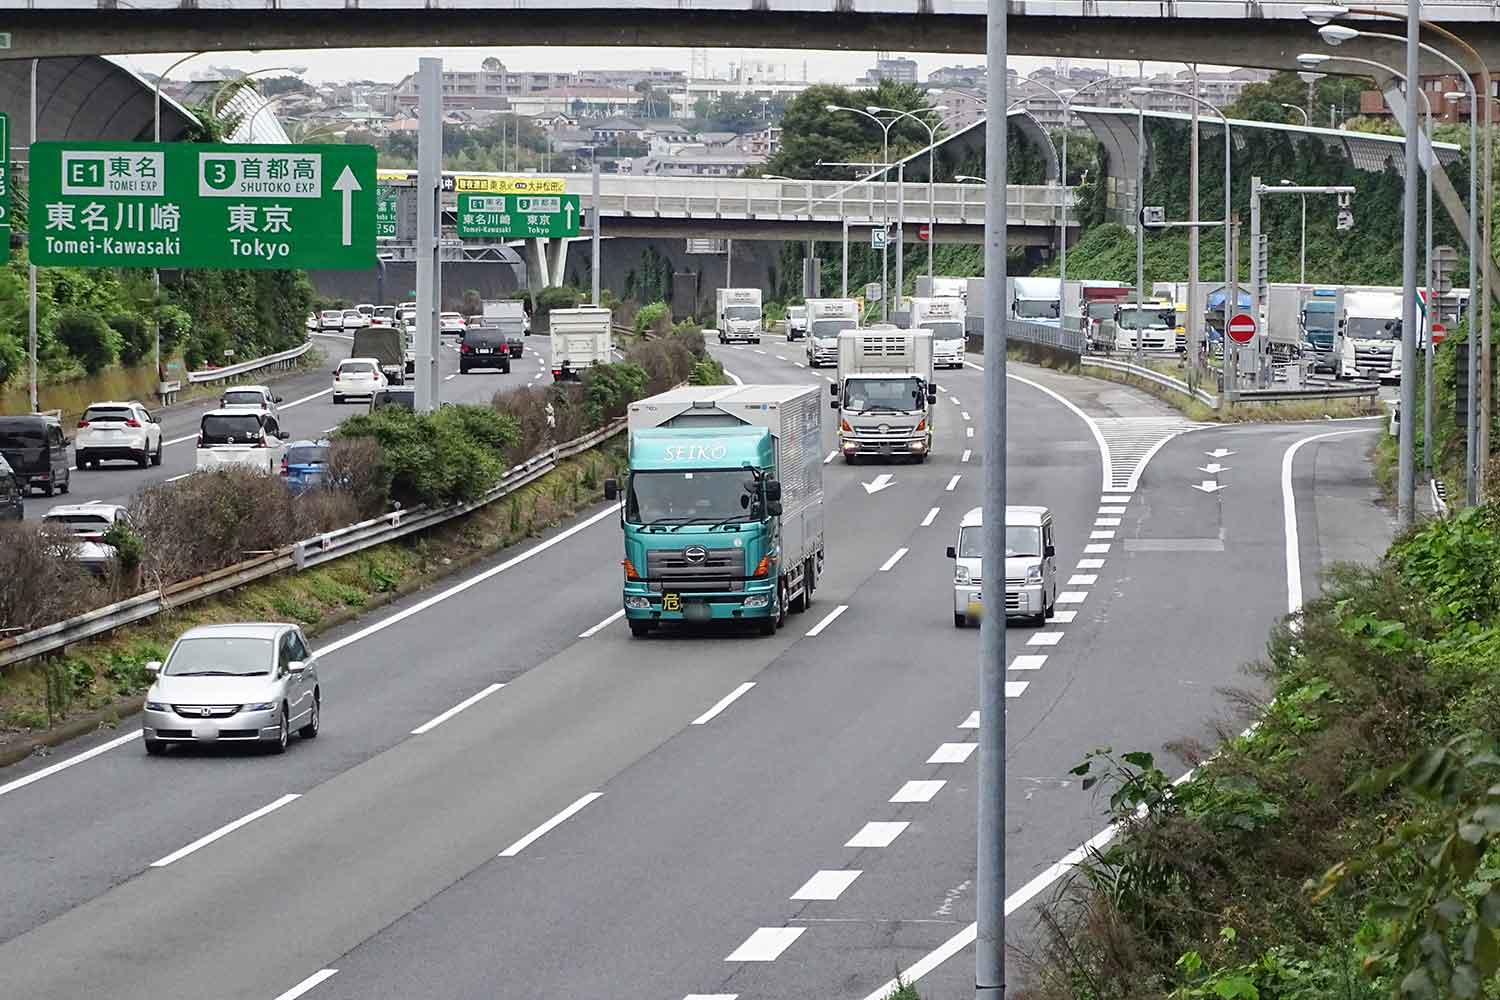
pixel 484 350
pixel 205 732
pixel 671 602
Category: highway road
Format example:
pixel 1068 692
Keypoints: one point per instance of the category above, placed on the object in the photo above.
pixel 512 798
pixel 308 412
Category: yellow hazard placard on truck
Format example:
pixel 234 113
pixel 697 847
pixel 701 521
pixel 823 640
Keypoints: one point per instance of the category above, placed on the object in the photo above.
pixel 671 602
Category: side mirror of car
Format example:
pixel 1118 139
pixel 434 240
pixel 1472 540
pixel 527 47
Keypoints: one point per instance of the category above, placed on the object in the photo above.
pixel 1049 551
pixel 773 507
pixel 833 404
pixel 153 667
pixel 611 489
pixel 297 666
pixel 952 552
pixel 279 399
pixel 833 389
pixel 773 489
pixel 285 435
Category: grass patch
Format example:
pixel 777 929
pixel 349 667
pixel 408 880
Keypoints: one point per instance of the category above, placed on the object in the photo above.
pixel 109 672
pixel 1289 411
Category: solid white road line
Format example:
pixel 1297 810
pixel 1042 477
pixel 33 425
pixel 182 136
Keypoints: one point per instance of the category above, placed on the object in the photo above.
pixel 827 884
pixel 611 511
pixel 47 772
pixel 1014 689
pixel 1289 519
pixel 1104 535
pixel 1064 617
pixel 877 834
pixel 952 753
pixel 965 456
pixel 555 821
pixel 1098 549
pixel 173 479
pixel 828 620
pixel 765 945
pixel 733 377
pixel 1112 510
pixel 224 831
pixel 1083 579
pixel 1044 639
pixel 1029 661
pixel 831 456
pixel 931 516
pixel 968 432
pixel 723 703
pixel 1072 597
pixel 1091 564
pixel 1107 522
pixel 308 983
pixel 952 483
pixel 972 722
pixel 917 791
pixel 436 721
pixel 606 623
pixel 885 567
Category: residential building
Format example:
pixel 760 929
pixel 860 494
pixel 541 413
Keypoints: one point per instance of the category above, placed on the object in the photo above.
pixel 965 107
pixel 617 128
pixel 578 102
pixel 491 86
pixel 897 70
pixel 957 76
pixel 685 98
pixel 627 79
pixel 765 142
pixel 694 161
pixel 1372 102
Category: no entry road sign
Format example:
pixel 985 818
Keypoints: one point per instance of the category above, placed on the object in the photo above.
pixel 1242 328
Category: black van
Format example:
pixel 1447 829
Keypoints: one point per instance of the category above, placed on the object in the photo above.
pixel 34 446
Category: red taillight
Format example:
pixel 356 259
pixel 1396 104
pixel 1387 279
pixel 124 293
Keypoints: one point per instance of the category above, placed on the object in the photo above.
pixel 630 573
pixel 556 372
pixel 763 567
pixel 83 423
pixel 132 422
pixel 844 426
pixel 200 439
pixel 283 465
pixel 463 348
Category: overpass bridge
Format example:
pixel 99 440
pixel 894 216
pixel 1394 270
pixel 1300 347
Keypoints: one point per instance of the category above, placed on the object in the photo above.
pixel 1265 33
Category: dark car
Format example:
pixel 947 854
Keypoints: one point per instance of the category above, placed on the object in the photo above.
pixel 484 347
pixel 515 339
pixel 404 397
pixel 37 451
pixel 305 465
pixel 12 494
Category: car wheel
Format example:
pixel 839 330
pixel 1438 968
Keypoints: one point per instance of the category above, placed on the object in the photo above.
pixel 959 621
pixel 337 399
pixel 155 748
pixel 83 461
pixel 48 489
pixel 67 482
pixel 505 370
pixel 310 731
pixel 767 626
pixel 283 732
pixel 156 458
pixel 1049 610
pixel 143 459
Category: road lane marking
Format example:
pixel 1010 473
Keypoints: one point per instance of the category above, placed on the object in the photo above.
pixel 1091 564
pixel 1072 597
pixel 1014 689
pixel 733 377
pixel 224 831
pixel 1101 534
pixel 917 791
pixel 1111 510
pixel 966 416
pixel 450 378
pixel 1044 639
pixel 606 623
pixel 723 703
pixel 308 983
pixel 767 943
pixel 436 721
pixel 931 516
pixel 711 996
pixel 877 834
pixel 1064 617
pixel 831 456
pixel 1107 498
pixel 1031 661
pixel 827 621
pixel 953 400
pixel 759 351
pixel 952 753
pixel 1083 579
pixel 552 823
pixel 972 722
pixel 779 357
pixel 966 455
pixel 885 567
pixel 173 479
pixel 1289 520
pixel 1107 522
pixel 1097 550
pixel 799 364
pixel 952 483
pixel 827 884
pixel 968 432
pixel 285 406
pixel 47 772
pixel 831 380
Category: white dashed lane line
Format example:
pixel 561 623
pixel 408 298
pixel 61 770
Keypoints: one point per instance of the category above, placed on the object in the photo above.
pixel 827 884
pixel 723 703
pixel 885 567
pixel 1082 580
pixel 965 456
pixel 968 432
pixel 1029 661
pixel 879 834
pixel 1091 564
pixel 918 791
pixel 548 826
pixel 931 516
pixel 827 620
pixel 1044 639
pixel 765 945
pixel 966 415
pixel 952 753
pixel 1100 548
pixel 302 988
pixel 831 456
pixel 952 484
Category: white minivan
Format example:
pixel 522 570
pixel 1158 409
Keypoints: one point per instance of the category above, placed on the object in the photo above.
pixel 1030 566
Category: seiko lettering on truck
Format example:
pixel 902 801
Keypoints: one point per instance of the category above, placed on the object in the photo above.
pixel 696 453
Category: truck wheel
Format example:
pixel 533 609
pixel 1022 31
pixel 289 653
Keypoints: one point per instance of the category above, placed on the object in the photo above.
pixel 959 621
pixel 639 630
pixel 767 626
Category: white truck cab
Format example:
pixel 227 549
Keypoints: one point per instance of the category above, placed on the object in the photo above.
pixel 1030 566
pixel 826 319
pixel 945 318
pixel 885 393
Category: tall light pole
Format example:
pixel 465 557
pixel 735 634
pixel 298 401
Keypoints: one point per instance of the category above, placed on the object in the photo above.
pixel 885 180
pixel 931 143
pixel 1140 220
pixel 1306 119
pixel 1337 34
pixel 1302 248
pixel 161 371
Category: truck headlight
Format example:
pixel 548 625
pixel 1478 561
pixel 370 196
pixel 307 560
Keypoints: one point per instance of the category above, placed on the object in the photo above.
pixel 757 600
pixel 1034 574
pixel 961 575
pixel 638 603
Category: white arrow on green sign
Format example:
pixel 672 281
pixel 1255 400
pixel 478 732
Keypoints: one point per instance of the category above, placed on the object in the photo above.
pixel 202 205
pixel 517 216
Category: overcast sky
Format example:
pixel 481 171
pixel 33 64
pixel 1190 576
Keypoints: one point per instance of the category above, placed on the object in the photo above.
pixel 393 64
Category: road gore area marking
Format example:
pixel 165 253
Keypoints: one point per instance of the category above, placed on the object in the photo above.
pixel 952 753
pixel 765 945
pixel 878 834
pixel 308 983
pixel 224 831
pixel 723 703
pixel 827 620
pixel 433 723
pixel 546 827
pixel 918 791
pixel 828 884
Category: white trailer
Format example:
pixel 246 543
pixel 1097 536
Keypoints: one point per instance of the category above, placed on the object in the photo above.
pixel 580 339
pixel 885 394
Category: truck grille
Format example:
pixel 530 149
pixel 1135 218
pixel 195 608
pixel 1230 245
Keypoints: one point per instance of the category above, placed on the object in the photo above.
pixel 1372 359
pixel 892 432
pixel 671 569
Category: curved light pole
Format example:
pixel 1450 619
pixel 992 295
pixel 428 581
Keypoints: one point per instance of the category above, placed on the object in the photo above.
pixel 156 94
pixel 161 372
pixel 1306 119
pixel 898 114
pixel 1337 34
pixel 250 122
pixel 1322 14
pixel 885 222
pixel 213 103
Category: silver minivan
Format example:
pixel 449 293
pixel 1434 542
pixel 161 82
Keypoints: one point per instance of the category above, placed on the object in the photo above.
pixel 1030 566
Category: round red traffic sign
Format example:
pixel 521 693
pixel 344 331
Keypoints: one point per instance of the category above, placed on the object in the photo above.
pixel 1242 328
pixel 1439 331
pixel 924 232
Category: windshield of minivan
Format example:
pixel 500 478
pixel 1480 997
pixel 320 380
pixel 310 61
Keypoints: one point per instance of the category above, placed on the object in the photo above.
pixel 22 433
pixel 220 657
pixel 230 429
pixel 1037 308
pixel 869 395
pixel 701 497
pixel 1020 541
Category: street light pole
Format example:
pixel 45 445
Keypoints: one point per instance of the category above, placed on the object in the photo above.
pixel 1302 251
pixel 1140 226
pixel 1406 489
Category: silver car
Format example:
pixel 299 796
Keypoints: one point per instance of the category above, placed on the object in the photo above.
pixel 244 683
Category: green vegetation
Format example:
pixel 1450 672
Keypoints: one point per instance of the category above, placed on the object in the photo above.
pixel 1349 846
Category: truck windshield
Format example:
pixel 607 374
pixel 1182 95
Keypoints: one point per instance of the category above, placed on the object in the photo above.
pixel 830 328
pixel 1020 541
pixel 871 394
pixel 1137 319
pixel 710 496
pixel 742 312
pixel 948 330
pixel 1037 308
pixel 1373 328
pixel 1318 319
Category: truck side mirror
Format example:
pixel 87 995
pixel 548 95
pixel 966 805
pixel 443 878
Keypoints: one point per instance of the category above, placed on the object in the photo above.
pixel 1049 551
pixel 952 552
pixel 833 389
pixel 833 404
pixel 773 507
pixel 611 489
pixel 773 490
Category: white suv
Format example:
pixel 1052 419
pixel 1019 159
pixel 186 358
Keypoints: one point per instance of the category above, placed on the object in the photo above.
pixel 357 377
pixel 123 431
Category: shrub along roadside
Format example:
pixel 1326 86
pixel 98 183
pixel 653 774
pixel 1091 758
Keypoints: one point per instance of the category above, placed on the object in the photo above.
pixel 105 678
pixel 1350 847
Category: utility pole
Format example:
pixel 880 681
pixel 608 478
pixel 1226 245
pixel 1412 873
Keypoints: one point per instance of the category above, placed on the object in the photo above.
pixel 989 945
pixel 594 235
pixel 1406 478
pixel 31 271
pixel 429 219
pixel 900 231
pixel 1140 226
pixel 1195 304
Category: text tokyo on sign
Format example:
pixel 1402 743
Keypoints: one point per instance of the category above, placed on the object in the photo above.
pixel 516 216
pixel 202 205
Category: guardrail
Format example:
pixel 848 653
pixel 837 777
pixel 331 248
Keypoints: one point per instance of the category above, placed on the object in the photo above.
pixel 1151 375
pixel 1309 395
pixel 296 557
pixel 1045 335
pixel 282 360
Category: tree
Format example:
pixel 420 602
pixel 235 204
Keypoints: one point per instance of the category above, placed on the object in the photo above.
pixel 87 338
pixel 1264 101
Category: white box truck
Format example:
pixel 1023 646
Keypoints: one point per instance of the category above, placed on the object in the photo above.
pixel 942 287
pixel 580 339
pixel 944 319
pixel 1371 320
pixel 885 394
pixel 512 310
pixel 1036 300
pixel 826 319
pixel 723 506
pixel 739 315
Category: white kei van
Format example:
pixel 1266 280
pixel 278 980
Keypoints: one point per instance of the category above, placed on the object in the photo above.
pixel 1030 566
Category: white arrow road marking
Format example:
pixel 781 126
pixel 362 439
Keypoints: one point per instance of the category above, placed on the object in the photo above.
pixel 881 482
pixel 1213 468
pixel 1219 453
pixel 346 185
pixel 1207 486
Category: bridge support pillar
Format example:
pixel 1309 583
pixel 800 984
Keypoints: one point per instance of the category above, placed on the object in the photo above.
pixel 557 260
pixel 536 264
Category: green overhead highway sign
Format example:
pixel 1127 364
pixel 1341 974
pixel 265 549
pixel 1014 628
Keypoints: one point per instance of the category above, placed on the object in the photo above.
pixel 385 212
pixel 4 189
pixel 202 205
pixel 516 216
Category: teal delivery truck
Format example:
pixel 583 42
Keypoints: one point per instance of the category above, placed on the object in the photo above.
pixel 723 506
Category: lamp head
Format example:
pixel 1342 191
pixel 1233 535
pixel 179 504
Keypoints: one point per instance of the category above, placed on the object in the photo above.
pixel 1337 34
pixel 1455 95
pixel 1321 13
pixel 1312 59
